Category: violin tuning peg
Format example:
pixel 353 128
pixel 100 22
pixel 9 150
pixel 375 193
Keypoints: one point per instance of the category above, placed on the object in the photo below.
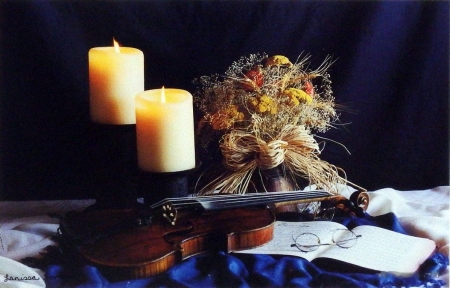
pixel 169 213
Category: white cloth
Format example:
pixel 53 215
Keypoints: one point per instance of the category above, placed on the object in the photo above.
pixel 422 213
pixel 25 228
pixel 15 274
pixel 25 231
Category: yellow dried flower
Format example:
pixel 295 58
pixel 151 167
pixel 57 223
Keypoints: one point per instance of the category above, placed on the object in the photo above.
pixel 291 100
pixel 277 60
pixel 234 113
pixel 263 104
pixel 296 96
pixel 224 119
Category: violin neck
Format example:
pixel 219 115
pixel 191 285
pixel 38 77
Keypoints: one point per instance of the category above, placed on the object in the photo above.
pixel 171 207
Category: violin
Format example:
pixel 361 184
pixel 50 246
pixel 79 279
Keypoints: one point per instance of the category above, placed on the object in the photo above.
pixel 146 241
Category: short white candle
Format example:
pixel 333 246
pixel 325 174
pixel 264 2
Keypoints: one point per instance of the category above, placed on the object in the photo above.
pixel 165 130
pixel 116 76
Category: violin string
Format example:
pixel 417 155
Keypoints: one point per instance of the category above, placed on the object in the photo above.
pixel 221 197
pixel 265 199
pixel 205 198
pixel 223 200
pixel 227 198
pixel 259 196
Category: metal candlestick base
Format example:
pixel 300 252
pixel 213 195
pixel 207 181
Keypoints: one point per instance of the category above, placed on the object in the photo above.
pixel 113 168
pixel 155 187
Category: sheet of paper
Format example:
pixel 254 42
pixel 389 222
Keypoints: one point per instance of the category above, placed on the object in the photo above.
pixel 375 248
pixel 285 234
pixel 384 250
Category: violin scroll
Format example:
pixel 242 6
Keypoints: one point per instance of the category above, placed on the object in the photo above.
pixel 360 199
pixel 356 205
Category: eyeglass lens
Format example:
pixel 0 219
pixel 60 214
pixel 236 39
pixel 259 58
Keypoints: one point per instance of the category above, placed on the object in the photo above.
pixel 345 240
pixel 308 242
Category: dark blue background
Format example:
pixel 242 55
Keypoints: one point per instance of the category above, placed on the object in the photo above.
pixel 392 72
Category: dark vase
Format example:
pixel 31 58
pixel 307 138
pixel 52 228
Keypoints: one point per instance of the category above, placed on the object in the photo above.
pixel 277 179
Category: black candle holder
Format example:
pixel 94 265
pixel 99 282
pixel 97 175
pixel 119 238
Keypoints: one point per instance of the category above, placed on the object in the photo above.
pixel 113 168
pixel 154 186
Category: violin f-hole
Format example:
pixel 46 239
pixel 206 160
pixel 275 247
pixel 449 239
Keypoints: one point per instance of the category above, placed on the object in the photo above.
pixel 182 229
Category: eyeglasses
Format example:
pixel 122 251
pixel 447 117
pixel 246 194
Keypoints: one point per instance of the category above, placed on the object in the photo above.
pixel 308 242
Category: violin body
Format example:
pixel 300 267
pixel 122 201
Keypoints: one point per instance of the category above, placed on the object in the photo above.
pixel 146 241
pixel 152 249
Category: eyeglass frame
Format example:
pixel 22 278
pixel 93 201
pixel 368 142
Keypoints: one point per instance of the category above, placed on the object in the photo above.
pixel 316 246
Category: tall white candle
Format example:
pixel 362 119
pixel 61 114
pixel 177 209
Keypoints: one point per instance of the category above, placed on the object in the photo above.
pixel 116 76
pixel 165 130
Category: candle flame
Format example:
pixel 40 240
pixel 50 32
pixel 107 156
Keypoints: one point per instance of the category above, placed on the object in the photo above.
pixel 163 95
pixel 116 46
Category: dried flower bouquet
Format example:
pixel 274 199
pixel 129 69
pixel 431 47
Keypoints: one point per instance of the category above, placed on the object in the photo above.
pixel 266 110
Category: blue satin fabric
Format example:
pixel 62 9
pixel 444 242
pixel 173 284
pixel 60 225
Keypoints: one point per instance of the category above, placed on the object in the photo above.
pixel 219 269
